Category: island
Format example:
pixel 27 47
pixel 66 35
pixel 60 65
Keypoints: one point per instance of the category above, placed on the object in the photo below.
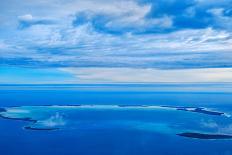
pixel 204 136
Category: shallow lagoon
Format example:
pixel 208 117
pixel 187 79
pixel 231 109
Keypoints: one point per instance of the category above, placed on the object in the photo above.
pixel 114 120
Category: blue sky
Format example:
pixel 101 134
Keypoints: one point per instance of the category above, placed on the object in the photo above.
pixel 115 41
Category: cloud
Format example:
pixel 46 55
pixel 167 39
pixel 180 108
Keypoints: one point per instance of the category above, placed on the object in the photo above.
pixel 125 75
pixel 120 17
pixel 163 34
pixel 221 20
pixel 220 128
pixel 54 121
pixel 82 46
pixel 137 14
pixel 212 3
pixel 28 20
pixel 209 124
pixel 3 45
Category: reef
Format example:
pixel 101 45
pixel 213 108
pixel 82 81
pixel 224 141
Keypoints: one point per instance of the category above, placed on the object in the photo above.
pixel 54 117
pixel 28 119
pixel 197 110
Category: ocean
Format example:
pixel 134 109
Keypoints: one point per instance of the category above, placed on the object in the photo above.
pixel 123 119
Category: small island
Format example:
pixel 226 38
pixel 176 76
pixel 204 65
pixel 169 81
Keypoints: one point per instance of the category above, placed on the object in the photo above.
pixel 205 136
pixel 40 129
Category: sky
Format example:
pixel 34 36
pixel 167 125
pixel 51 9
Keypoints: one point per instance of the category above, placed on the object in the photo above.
pixel 115 41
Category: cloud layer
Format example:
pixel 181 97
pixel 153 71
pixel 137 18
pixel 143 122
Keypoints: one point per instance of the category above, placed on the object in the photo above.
pixel 135 34
pixel 125 75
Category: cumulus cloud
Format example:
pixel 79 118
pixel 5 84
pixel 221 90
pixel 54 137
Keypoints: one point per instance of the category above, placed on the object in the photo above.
pixel 54 121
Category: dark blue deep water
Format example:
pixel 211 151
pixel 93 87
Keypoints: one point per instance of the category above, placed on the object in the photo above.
pixel 14 140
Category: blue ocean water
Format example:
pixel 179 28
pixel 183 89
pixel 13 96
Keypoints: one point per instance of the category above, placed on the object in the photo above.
pixel 114 132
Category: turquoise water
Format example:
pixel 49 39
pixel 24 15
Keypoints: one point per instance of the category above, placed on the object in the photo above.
pixel 121 119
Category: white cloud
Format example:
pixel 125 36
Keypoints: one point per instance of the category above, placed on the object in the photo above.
pixel 216 11
pixel 85 36
pixel 221 20
pixel 220 128
pixel 3 45
pixel 123 14
pixel 127 11
pixel 209 124
pixel 85 44
pixel 125 75
pixel 120 14
pixel 54 121
pixel 26 17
